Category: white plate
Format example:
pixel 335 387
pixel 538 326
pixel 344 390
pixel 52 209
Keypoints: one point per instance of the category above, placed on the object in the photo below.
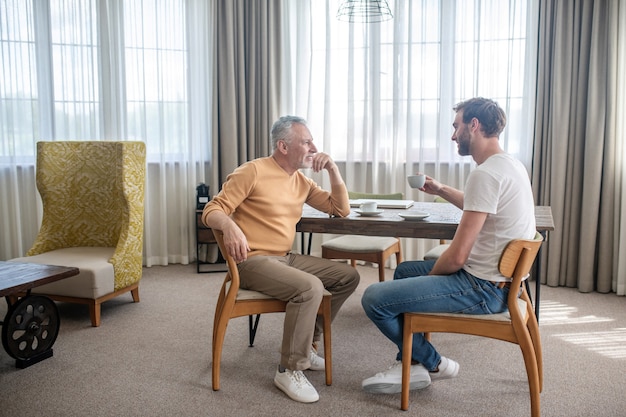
pixel 414 215
pixel 369 213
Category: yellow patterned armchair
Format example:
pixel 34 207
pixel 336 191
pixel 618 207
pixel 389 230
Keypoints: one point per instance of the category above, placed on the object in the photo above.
pixel 92 194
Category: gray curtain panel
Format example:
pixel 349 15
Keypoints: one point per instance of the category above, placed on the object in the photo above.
pixel 246 85
pixel 574 158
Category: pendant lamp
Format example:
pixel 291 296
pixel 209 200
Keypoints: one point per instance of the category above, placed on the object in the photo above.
pixel 369 11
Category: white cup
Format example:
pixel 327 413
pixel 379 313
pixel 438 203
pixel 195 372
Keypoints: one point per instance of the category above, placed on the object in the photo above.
pixel 416 181
pixel 368 206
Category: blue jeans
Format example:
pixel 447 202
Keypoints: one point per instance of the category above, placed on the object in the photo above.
pixel 413 290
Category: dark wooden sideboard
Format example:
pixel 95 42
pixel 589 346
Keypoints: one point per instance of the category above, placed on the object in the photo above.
pixel 204 236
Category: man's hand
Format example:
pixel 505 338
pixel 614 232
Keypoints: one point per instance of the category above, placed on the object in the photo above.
pixel 450 194
pixel 236 243
pixel 431 186
pixel 322 161
pixel 235 240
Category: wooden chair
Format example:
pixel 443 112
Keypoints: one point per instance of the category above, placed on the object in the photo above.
pixel 376 249
pixel 518 325
pixel 235 302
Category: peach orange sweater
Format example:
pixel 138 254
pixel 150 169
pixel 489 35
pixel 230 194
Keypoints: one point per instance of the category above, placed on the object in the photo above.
pixel 266 203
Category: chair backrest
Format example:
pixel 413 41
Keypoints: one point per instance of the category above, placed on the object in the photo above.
pixel 518 256
pixel 93 195
pixel 232 274
pixel 516 260
pixel 357 196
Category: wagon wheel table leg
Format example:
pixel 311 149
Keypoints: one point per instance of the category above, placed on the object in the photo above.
pixel 30 328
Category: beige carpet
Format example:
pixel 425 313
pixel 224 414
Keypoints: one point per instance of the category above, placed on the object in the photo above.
pixel 153 359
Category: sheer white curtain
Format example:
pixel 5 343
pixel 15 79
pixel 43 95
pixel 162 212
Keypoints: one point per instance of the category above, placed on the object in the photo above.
pixel 107 70
pixel 379 96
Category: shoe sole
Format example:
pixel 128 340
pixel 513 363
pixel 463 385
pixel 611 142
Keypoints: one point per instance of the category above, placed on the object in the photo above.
pixel 389 388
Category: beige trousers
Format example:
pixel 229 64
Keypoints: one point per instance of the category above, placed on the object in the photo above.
pixel 300 280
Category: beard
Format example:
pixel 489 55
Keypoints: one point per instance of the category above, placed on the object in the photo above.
pixel 463 142
pixel 464 148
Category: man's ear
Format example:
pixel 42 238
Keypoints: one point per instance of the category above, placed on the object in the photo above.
pixel 474 124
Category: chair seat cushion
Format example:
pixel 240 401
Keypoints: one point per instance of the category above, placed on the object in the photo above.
pixel 360 244
pixel 255 295
pixel 506 316
pixel 436 252
pixel 95 279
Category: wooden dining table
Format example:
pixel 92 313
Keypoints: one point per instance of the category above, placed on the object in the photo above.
pixel 441 223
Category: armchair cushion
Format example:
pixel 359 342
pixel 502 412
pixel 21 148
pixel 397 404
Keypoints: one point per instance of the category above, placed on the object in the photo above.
pixel 94 280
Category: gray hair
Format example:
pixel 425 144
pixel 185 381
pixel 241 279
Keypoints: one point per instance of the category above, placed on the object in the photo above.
pixel 281 129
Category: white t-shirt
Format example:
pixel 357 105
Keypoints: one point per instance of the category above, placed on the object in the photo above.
pixel 500 187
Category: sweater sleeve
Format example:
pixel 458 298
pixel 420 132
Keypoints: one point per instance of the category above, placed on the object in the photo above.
pixel 335 202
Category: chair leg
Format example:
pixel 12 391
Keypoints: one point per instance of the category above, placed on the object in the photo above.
pixel 381 272
pixel 532 327
pixel 135 293
pixel 381 266
pixel 399 256
pixel 219 331
pixel 253 325
pixel 407 347
pixel 94 313
pixel 382 262
pixel 533 330
pixel 530 361
pixel 328 355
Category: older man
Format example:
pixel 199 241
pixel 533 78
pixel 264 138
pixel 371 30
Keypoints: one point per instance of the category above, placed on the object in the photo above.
pixel 258 209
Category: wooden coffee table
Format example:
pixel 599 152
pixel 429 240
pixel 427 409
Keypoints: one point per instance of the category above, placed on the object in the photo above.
pixel 31 324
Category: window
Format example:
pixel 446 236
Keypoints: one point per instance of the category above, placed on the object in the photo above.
pixel 19 108
pixel 387 89
pixel 156 68
pixel 83 70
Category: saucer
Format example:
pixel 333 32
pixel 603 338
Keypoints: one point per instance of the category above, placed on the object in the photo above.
pixel 414 215
pixel 369 213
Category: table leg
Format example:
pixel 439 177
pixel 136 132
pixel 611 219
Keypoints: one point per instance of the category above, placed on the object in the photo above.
pixel 308 250
pixel 29 330
pixel 538 277
pixel 305 250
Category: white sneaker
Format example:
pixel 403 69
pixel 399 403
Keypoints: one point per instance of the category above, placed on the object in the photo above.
pixel 447 369
pixel 390 381
pixel 296 386
pixel 317 362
